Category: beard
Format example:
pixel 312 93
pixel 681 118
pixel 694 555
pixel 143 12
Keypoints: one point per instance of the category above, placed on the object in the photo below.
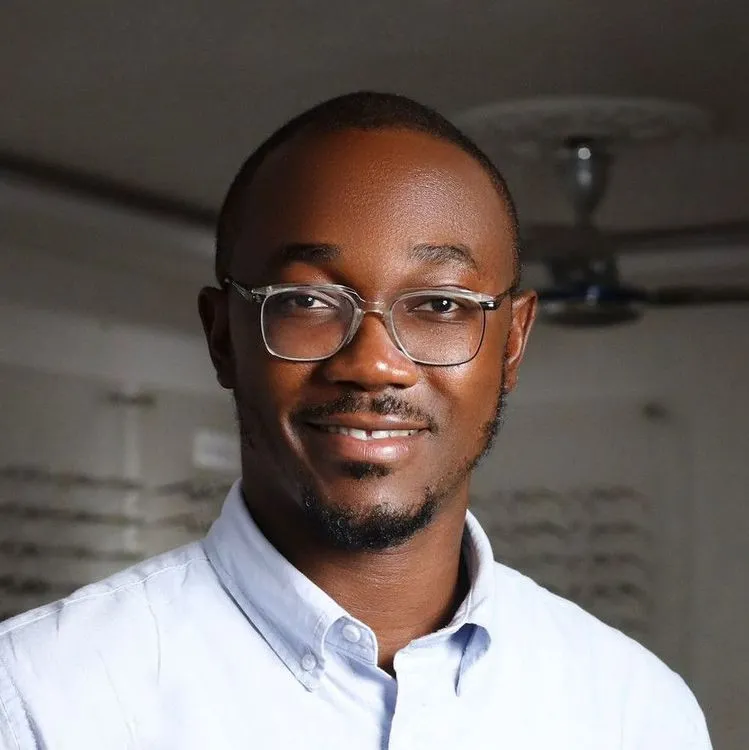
pixel 384 526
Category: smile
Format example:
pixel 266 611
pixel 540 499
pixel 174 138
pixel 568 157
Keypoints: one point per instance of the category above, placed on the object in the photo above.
pixel 365 435
pixel 364 438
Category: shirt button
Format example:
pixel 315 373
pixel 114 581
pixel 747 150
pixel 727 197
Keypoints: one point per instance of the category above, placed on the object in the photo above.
pixel 351 633
pixel 309 662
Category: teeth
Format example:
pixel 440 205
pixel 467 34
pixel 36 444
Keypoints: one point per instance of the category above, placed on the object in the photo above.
pixel 367 434
pixel 382 434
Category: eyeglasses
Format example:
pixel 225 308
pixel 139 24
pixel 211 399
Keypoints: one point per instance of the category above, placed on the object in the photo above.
pixel 312 322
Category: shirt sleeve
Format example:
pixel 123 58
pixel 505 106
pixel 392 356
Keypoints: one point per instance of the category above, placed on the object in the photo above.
pixel 15 732
pixel 663 712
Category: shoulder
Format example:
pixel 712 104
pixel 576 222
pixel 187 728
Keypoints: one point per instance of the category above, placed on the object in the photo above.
pixel 651 699
pixel 561 623
pixel 102 612
pixel 100 644
pixel 105 602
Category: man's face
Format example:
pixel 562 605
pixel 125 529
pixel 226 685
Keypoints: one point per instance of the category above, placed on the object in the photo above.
pixel 369 199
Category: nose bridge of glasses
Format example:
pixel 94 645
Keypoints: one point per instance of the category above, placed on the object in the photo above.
pixel 376 308
pixel 365 307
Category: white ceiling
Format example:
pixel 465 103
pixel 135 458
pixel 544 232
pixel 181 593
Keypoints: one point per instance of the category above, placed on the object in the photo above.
pixel 170 96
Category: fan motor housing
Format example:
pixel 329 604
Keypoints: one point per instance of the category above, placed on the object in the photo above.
pixel 592 304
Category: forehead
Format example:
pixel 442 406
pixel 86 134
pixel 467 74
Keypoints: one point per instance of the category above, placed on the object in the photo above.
pixel 375 195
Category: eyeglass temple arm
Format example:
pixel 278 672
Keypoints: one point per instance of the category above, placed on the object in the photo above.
pixel 495 302
pixel 248 294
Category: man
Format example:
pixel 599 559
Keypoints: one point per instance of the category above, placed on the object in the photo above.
pixel 369 324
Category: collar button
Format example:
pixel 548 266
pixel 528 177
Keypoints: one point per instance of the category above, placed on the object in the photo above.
pixel 351 633
pixel 309 662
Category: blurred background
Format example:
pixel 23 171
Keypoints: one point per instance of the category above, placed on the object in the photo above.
pixel 620 476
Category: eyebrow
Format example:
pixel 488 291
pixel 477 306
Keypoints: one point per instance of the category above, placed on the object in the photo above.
pixel 324 252
pixel 305 252
pixel 444 255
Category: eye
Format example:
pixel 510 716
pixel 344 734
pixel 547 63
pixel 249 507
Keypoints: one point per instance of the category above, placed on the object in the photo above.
pixel 302 301
pixel 440 305
pixel 307 302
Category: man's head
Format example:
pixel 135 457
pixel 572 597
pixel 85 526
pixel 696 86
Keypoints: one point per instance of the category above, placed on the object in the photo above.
pixel 379 195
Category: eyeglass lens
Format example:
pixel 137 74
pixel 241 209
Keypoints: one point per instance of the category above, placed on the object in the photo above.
pixel 431 327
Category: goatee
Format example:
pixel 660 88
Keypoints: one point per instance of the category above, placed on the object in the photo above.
pixel 385 527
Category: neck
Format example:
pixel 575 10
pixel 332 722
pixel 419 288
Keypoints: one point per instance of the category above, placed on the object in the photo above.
pixel 402 593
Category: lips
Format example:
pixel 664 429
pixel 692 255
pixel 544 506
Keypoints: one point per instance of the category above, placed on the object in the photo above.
pixel 363 437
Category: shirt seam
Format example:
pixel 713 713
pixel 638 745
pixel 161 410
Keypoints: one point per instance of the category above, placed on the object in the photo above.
pixel 4 706
pixel 279 645
pixel 99 595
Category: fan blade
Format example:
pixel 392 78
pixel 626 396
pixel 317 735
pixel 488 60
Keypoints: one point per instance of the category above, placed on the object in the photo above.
pixel 678 238
pixel 683 296
pixel 105 190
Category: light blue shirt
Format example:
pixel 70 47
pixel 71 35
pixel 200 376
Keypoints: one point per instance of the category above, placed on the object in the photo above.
pixel 224 644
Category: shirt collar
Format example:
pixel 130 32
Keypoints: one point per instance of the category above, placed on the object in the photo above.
pixel 478 608
pixel 294 615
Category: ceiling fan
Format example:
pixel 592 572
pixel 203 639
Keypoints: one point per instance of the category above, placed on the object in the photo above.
pixel 582 134
pixel 582 260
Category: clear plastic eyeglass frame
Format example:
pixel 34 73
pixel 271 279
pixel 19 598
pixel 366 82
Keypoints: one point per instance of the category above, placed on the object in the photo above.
pixel 361 307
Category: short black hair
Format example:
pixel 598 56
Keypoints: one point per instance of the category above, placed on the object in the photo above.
pixel 362 110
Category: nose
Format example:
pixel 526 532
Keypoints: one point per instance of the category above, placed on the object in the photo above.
pixel 371 361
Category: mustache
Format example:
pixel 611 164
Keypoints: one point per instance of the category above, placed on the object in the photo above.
pixel 351 403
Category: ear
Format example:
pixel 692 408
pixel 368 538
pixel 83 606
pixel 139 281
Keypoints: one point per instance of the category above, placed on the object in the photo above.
pixel 213 306
pixel 523 315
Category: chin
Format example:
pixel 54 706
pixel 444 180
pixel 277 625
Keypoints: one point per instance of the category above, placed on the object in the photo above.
pixel 362 510
pixel 358 489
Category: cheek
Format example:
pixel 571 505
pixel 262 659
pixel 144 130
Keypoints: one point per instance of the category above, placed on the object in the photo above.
pixel 265 383
pixel 273 386
pixel 472 392
pixel 267 392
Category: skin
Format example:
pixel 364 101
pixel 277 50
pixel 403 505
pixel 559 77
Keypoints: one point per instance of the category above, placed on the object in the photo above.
pixel 375 195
